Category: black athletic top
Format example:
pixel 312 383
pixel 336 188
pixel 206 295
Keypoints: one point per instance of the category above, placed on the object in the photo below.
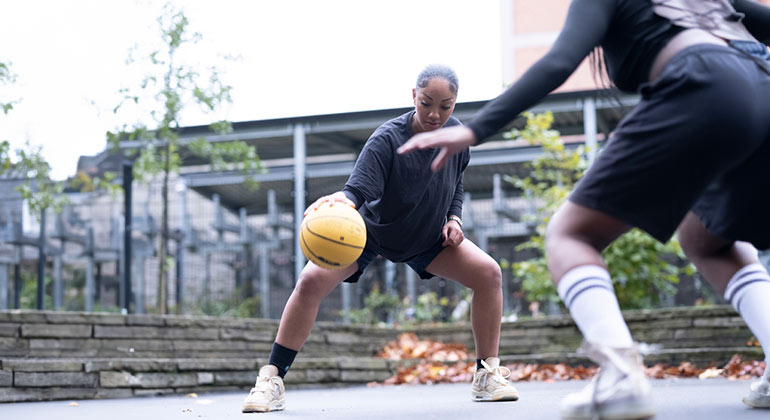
pixel 630 34
pixel 404 204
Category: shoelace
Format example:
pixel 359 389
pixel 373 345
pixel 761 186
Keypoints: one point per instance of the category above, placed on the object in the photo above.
pixel 267 386
pixel 499 374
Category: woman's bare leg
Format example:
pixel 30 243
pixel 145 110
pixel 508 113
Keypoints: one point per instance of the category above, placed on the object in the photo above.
pixel 717 259
pixel 468 265
pixel 733 269
pixel 575 238
pixel 300 312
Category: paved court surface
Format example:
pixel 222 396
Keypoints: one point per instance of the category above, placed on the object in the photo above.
pixel 712 399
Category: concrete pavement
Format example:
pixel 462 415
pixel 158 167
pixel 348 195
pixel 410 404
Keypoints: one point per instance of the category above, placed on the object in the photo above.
pixel 712 399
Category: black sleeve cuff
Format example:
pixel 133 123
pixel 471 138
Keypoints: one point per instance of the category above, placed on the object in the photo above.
pixel 351 194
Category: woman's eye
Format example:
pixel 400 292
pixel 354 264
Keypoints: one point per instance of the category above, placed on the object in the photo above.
pixel 445 108
pixel 424 103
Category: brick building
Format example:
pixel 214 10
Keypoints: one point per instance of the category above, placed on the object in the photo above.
pixel 528 29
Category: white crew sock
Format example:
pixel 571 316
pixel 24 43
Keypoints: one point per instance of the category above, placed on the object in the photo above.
pixel 587 292
pixel 749 293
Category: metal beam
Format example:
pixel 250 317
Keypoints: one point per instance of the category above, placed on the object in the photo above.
pixel 41 264
pixel 299 194
pixel 589 127
pixel 243 135
pixel 479 157
pixel 349 142
pixel 278 173
pixel 3 287
pixel 125 287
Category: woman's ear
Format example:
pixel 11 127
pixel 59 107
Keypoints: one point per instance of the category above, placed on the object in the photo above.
pixel 414 93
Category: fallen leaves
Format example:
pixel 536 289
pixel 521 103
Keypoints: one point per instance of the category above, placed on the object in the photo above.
pixel 433 366
pixel 433 372
pixel 437 362
pixel 736 369
pixel 408 346
pixel 710 373
pixel 662 371
pixel 522 372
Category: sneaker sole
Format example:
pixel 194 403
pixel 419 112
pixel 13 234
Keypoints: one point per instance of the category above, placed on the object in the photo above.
pixel 626 411
pixel 486 397
pixel 765 403
pixel 256 408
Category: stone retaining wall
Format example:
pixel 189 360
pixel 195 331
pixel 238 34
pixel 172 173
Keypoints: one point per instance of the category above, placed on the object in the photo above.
pixel 697 334
pixel 62 355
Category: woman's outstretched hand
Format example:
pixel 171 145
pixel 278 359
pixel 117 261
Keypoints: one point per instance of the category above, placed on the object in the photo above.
pixel 451 140
pixel 338 197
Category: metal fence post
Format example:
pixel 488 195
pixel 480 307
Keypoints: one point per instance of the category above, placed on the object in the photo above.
pixel 128 178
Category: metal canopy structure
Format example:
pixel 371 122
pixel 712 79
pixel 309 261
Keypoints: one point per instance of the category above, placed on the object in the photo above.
pixel 315 154
pixel 333 141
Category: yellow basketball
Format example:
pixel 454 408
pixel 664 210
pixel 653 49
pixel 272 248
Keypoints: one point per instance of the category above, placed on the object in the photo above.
pixel 333 236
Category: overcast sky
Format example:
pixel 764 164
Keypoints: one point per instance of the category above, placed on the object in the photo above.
pixel 296 58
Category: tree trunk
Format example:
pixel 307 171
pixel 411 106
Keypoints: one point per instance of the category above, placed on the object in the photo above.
pixel 162 266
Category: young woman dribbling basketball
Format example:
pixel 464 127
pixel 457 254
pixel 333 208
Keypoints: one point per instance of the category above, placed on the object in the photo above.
pixel 412 215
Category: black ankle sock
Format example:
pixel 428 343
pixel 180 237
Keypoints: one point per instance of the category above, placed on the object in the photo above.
pixel 282 358
pixel 479 365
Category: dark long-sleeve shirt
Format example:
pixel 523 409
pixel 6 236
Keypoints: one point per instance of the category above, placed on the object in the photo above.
pixel 404 204
pixel 631 36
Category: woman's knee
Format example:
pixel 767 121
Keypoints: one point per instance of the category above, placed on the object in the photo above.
pixel 552 237
pixel 576 224
pixel 312 283
pixel 495 275
pixel 557 232
pixel 492 274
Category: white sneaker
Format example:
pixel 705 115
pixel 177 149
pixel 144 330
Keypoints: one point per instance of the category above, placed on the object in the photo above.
pixel 759 396
pixel 490 383
pixel 267 394
pixel 619 391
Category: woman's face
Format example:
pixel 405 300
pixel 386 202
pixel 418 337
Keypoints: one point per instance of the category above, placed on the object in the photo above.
pixel 433 105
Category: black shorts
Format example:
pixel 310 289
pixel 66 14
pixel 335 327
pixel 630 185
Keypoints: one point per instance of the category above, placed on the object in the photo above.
pixel 699 140
pixel 418 262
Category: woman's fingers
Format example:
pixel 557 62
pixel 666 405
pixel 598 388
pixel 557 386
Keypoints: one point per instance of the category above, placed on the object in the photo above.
pixel 451 140
pixel 440 160
pixel 419 142
pixel 338 197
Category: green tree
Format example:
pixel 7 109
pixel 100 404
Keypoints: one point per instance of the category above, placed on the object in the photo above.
pixel 6 77
pixel 88 184
pixel 641 267
pixel 377 306
pixel 38 189
pixel 5 156
pixel 164 92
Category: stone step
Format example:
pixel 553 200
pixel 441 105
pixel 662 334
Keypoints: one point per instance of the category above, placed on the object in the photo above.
pixel 52 379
